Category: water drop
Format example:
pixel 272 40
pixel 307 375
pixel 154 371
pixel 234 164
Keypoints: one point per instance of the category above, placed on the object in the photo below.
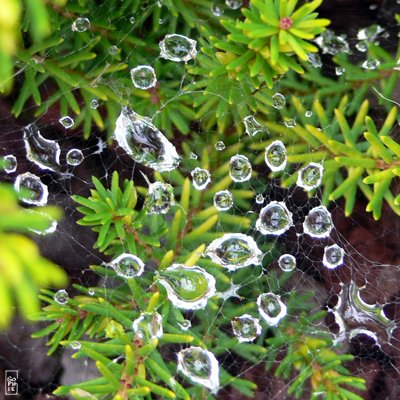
pixel 370 64
pixel 185 324
pixel 113 50
pixel 31 190
pixel 10 164
pixel 330 43
pixel 187 288
pixel 200 366
pixel 278 101
pixel 308 114
pixel 260 199
pixel 80 25
pixel 193 156
pixel 94 104
pixel 159 198
pixel 234 251
pixel 318 223
pixel 144 142
pixel 148 326
pixel 246 328
pixel 223 200
pixel 271 308
pixel 51 226
pixel 240 168
pixel 276 156
pixel 91 292
pixel 340 71
pixel 75 345
pixel 370 34
pixel 333 256
pixel 178 48
pixel 132 20
pixel 220 146
pixel 310 177
pixel 290 122
pixel 287 262
pixel 234 4
pixel 74 157
pixel 143 77
pixel 252 126
pixel 274 219
pixel 127 265
pixel 61 297
pixel 314 60
pixel 216 10
pixel 362 46
pixel 43 152
pixel 201 178
pixel 67 122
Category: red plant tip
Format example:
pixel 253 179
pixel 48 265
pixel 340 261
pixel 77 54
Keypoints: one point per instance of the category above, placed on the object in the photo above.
pixel 285 23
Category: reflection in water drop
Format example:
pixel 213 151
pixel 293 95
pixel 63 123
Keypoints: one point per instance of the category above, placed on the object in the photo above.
pixel 240 168
pixel 10 164
pixel 148 326
pixel 74 157
pixel 223 200
pixel 61 297
pixel 310 177
pixel 159 198
pixel 271 308
pixel 246 328
pixel 178 48
pixel 185 324
pixel 127 265
pixel 318 223
pixel 252 126
pixel 274 219
pixel 31 190
pixel 220 146
pixel 67 122
pixel 287 262
pixel 278 101
pixel 276 156
pixel 80 25
pixel 143 77
pixel 200 178
pixel 333 256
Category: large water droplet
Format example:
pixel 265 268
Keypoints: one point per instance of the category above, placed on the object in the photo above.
pixel 240 168
pixel 43 152
pixel 127 265
pixel 80 25
pixel 74 157
pixel 223 200
pixel 201 178
pixel 333 256
pixel 187 288
pixel 31 190
pixel 143 77
pixel 332 44
pixel 276 156
pixel 144 142
pixel 234 251
pixel 159 198
pixel 246 328
pixel 310 177
pixel 318 223
pixel 148 326
pixel 67 122
pixel 200 366
pixel 61 297
pixel 278 101
pixel 252 126
pixel 287 262
pixel 234 4
pixel 10 164
pixel 274 219
pixel 178 48
pixel 271 308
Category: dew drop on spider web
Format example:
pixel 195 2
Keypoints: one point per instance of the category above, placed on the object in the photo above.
pixel 127 265
pixel 61 297
pixel 287 262
pixel 193 156
pixel 159 198
pixel 94 104
pixel 290 122
pixel 200 178
pixel 234 251
pixel 144 142
pixel 330 43
pixel 333 256
pixel 223 200
pixel 314 59
pixel 178 48
pixel 75 345
pixel 252 126
pixel 31 190
pixel 260 199
pixel 113 50
pixel 246 328
pixel 220 146
pixel 310 176
pixel 74 157
pixel 80 25
pixel 217 10
pixel 276 156
pixel 200 366
pixel 185 324
pixel 132 20
pixel 274 219
pixel 271 308
pixel 234 4
pixel 148 326
pixel 340 71
pixel 318 223
pixel 188 288
pixel 278 101
pixel 10 164
pixel 371 64
pixel 67 122
pixel 240 168
pixel 308 114
pixel 370 33
pixel 143 77
pixel 43 152
pixel 362 46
